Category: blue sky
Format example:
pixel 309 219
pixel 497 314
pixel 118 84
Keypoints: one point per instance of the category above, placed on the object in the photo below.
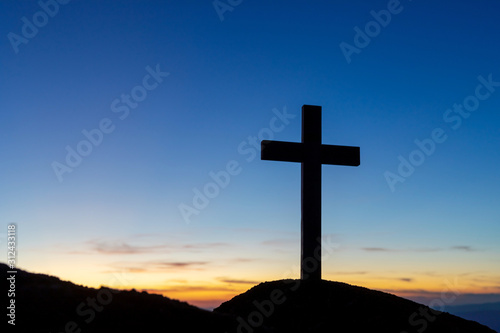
pixel 229 74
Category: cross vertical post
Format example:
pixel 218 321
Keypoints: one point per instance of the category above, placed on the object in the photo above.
pixel 311 153
pixel 310 223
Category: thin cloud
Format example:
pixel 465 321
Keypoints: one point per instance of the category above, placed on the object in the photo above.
pixel 160 266
pixel 351 273
pixel 180 264
pixel 190 289
pixel 204 245
pixel 463 248
pixel 238 260
pixel 385 249
pixel 134 270
pixel 405 279
pixel 378 249
pixel 122 247
pixel 391 278
pixel 407 292
pixel 125 247
pixel 236 281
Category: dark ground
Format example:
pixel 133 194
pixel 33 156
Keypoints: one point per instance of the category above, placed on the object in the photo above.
pixel 47 304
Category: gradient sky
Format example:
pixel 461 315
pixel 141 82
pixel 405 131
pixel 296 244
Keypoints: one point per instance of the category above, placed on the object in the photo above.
pixel 116 219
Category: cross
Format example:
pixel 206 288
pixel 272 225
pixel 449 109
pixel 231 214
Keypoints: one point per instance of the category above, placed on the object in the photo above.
pixel 311 154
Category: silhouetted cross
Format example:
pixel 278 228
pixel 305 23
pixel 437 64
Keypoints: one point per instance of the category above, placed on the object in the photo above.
pixel 312 154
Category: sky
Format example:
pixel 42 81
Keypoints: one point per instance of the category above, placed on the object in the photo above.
pixel 130 135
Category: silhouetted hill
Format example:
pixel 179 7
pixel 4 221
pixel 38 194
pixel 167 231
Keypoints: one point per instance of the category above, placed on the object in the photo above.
pixel 47 304
pixel 326 306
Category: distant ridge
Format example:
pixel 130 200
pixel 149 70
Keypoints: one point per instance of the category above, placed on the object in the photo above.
pixel 47 304
pixel 486 313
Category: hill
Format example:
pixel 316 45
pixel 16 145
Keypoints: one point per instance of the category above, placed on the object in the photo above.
pixel 326 306
pixel 47 304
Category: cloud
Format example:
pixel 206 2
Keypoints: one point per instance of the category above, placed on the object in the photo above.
pixel 463 248
pixel 416 291
pixel 405 279
pixel 201 247
pixel 385 249
pixel 392 278
pixel 204 245
pixel 179 264
pixel 126 247
pixel 236 281
pixel 193 288
pixel 160 266
pixel 238 260
pixel 350 273
pixel 122 247
pixel 135 269
pixel 378 249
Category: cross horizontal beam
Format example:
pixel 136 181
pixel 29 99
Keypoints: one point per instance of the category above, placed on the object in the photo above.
pixel 296 151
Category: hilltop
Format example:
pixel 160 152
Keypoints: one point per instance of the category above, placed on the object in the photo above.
pixel 327 306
